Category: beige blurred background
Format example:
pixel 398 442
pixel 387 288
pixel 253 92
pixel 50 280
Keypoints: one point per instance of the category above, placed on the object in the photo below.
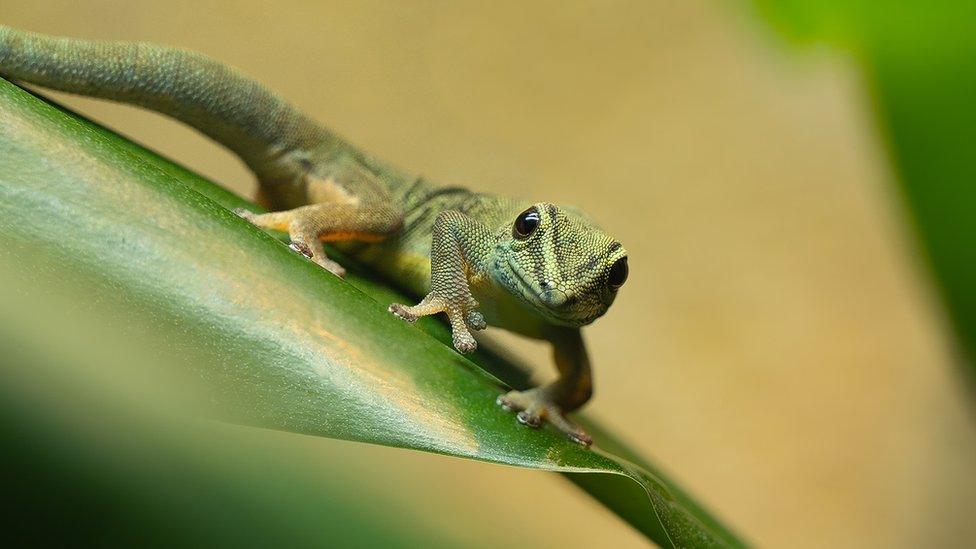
pixel 777 348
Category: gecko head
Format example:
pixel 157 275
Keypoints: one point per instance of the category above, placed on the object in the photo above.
pixel 558 262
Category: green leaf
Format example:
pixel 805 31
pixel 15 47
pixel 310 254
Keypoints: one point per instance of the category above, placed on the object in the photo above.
pixel 918 63
pixel 267 338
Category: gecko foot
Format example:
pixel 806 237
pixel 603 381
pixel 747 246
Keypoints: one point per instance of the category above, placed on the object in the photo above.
pixel 463 319
pixel 301 242
pixel 535 406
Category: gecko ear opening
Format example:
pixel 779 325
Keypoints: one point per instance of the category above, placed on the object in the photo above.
pixel 526 224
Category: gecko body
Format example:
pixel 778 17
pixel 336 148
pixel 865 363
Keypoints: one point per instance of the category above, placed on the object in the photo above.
pixel 538 269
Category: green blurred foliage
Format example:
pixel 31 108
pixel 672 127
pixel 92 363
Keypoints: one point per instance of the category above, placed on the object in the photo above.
pixel 919 61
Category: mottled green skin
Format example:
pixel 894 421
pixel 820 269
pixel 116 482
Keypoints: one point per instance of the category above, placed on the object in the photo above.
pixel 455 246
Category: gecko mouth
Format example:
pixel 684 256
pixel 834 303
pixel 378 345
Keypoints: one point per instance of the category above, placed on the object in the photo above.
pixel 528 295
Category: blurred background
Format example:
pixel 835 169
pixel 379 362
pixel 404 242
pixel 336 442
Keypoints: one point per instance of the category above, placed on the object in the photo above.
pixel 779 348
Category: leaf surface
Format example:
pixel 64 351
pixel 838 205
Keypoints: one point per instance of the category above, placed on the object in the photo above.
pixel 278 342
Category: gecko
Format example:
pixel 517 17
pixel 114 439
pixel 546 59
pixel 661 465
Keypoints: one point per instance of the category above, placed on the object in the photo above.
pixel 541 269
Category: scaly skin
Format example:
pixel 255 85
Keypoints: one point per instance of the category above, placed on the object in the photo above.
pixel 540 270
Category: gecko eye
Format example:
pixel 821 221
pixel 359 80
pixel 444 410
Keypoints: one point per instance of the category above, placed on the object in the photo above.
pixel 526 224
pixel 618 273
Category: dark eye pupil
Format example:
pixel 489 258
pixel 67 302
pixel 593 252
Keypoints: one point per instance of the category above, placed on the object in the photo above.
pixel 526 223
pixel 618 273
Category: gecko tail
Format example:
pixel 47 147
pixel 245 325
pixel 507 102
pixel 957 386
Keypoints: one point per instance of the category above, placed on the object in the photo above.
pixel 219 101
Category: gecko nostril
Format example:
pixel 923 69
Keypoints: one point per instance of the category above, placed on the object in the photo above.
pixel 544 284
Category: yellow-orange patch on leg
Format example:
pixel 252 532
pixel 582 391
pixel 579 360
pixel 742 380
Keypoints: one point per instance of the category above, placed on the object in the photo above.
pixel 346 236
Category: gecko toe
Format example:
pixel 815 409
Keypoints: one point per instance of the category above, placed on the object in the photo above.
pixel 504 403
pixel 527 418
pixel 330 266
pixel 301 247
pixel 402 311
pixel 581 438
pixel 465 344
pixel 475 320
pixel 244 213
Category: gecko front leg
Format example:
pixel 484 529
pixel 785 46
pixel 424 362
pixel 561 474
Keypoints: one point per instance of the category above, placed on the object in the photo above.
pixel 551 402
pixel 459 248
